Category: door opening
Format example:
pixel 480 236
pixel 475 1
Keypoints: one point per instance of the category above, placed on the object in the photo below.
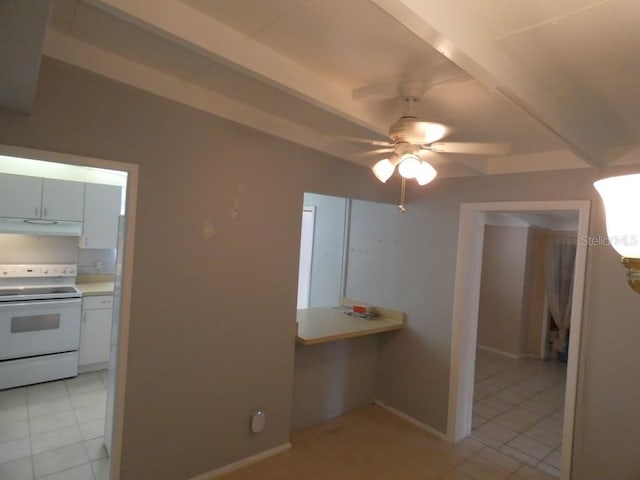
pixel 18 161
pixel 466 309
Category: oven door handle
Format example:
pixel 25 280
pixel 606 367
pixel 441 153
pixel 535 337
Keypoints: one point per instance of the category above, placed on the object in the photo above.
pixel 42 303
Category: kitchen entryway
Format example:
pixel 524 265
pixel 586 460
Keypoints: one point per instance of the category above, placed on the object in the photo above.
pixel 54 430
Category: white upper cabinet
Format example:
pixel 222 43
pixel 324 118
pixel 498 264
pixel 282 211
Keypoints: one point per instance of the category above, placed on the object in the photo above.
pixel 62 200
pixel 33 197
pixel 101 214
pixel 20 196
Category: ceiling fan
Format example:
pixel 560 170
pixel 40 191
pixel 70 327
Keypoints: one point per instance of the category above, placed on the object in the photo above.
pixel 410 137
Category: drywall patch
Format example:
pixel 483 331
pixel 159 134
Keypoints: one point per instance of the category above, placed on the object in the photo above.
pixel 208 230
pixel 235 210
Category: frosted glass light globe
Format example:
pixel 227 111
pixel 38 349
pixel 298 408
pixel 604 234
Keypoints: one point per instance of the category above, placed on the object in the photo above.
pixel 621 197
pixel 426 173
pixel 383 170
pixel 409 166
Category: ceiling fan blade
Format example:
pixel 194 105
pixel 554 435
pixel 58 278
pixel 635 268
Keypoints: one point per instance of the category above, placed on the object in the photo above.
pixel 474 148
pixel 379 143
pixel 377 151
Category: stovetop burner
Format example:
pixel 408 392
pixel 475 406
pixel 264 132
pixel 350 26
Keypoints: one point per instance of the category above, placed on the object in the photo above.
pixel 37 282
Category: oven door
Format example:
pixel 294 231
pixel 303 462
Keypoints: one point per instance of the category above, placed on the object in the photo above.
pixel 31 328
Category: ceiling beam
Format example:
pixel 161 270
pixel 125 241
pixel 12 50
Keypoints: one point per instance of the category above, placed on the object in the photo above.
pixel 443 25
pixel 70 50
pixel 22 30
pixel 179 23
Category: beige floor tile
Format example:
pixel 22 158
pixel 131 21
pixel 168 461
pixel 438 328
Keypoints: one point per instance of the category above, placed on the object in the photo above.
pixel 96 449
pixel 530 447
pixel 476 421
pixel 83 399
pixel 485 411
pixel 486 440
pixel 17 470
pixel 14 397
pixel 83 472
pixel 47 407
pixel 553 472
pixel 53 421
pixel 13 414
pixel 520 456
pixel 479 468
pixel 501 459
pixel 530 473
pixel 45 392
pixel 554 459
pixel 537 407
pixel 54 461
pixel 91 412
pixel 495 403
pixel 42 442
pixel 92 429
pixel 14 450
pixel 497 431
pixel 14 430
pixel 101 469
pixel 542 435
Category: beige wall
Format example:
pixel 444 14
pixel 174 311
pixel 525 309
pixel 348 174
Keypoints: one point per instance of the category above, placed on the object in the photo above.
pixel 212 321
pixel 501 313
pixel 536 292
pixel 413 370
pixel 333 378
pixel 200 359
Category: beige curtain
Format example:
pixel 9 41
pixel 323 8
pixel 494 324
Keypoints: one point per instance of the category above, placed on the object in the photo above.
pixel 560 264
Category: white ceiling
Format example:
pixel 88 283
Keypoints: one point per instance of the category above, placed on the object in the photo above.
pixel 557 81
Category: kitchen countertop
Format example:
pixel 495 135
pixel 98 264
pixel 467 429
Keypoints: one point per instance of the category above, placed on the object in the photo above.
pixel 95 285
pixel 326 324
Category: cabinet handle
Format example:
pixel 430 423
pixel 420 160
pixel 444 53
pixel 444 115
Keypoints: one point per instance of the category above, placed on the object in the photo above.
pixel 45 213
pixel 37 212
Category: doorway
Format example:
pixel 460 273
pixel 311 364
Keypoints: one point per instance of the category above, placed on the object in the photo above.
pixel 43 164
pixel 466 309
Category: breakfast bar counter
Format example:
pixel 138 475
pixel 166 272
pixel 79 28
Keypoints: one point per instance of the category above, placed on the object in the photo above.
pixel 328 324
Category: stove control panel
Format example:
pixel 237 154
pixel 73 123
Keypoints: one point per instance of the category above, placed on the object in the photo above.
pixel 23 271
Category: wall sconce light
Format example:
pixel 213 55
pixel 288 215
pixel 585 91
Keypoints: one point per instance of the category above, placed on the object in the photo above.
pixel 621 197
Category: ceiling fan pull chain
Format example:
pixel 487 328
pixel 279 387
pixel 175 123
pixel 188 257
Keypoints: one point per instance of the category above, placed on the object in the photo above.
pixel 402 190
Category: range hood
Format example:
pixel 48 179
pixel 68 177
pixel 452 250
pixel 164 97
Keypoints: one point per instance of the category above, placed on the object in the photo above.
pixel 30 226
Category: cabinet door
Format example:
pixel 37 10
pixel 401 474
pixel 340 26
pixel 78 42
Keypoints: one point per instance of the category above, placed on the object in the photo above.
pixel 20 196
pixel 62 200
pixel 95 336
pixel 101 213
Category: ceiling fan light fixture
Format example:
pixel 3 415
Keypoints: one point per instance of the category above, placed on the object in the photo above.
pixel 426 173
pixel 383 170
pixel 409 166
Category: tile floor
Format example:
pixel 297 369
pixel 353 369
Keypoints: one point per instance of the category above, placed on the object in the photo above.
pixel 54 430
pixel 518 408
pixel 373 444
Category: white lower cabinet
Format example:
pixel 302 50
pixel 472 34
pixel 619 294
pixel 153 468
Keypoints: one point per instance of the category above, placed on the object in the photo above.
pixel 95 330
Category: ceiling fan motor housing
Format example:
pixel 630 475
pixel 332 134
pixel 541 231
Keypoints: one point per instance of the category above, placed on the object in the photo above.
pixel 407 130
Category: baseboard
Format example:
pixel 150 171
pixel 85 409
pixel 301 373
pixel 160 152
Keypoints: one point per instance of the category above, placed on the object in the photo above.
pixel 411 420
pixel 232 467
pixel 500 352
pixel 94 367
